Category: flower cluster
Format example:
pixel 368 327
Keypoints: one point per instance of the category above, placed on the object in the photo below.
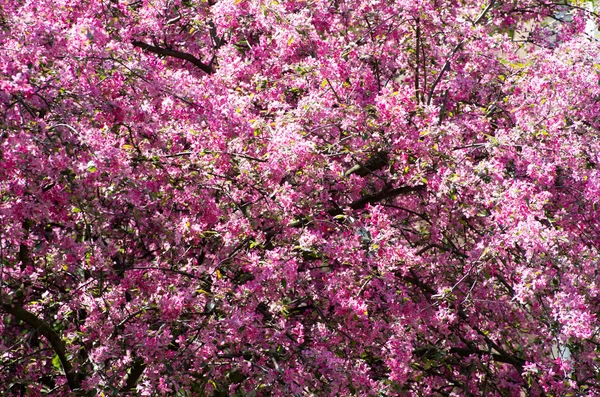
pixel 276 198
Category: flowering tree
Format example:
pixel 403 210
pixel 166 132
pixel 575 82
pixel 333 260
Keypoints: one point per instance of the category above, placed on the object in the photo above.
pixel 289 197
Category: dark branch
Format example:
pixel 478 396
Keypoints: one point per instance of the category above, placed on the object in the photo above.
pixel 498 357
pixel 166 52
pixel 363 201
pixel 53 338
pixel 442 248
pixel 444 69
pixel 134 375
pixel 484 12
pixel 430 352
pixel 375 163
pixel 457 47
pixel 385 194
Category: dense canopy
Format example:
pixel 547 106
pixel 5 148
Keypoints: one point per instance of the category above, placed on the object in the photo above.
pixel 299 198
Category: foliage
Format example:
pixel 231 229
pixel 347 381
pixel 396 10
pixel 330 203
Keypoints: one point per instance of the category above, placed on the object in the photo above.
pixel 299 197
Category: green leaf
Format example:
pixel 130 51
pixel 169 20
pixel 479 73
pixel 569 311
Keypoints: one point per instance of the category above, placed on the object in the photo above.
pixel 254 244
pixel 56 362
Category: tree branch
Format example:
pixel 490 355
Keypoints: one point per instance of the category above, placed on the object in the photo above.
pixel 445 68
pixel 166 52
pixel 384 194
pixel 484 12
pixel 429 352
pixel 457 47
pixel 134 375
pixel 375 163
pixel 498 357
pixel 363 201
pixel 57 344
